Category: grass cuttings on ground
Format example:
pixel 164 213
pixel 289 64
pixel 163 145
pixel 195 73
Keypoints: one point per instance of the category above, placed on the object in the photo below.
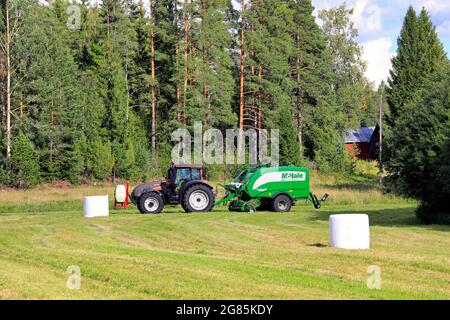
pixel 217 255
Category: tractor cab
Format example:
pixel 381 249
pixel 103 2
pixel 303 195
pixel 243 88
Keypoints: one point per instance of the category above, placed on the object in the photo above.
pixel 178 176
pixel 182 173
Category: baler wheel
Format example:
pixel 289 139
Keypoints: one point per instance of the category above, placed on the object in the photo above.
pixel 281 203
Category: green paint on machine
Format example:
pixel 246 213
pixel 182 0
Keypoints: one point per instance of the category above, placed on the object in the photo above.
pixel 272 188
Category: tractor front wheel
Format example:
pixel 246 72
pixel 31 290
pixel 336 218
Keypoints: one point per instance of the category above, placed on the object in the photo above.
pixel 198 198
pixel 150 202
pixel 281 203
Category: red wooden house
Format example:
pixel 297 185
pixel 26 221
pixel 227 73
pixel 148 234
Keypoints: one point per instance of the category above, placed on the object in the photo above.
pixel 363 144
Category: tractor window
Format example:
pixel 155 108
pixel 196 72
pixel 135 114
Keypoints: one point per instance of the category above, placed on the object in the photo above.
pixel 196 174
pixel 182 174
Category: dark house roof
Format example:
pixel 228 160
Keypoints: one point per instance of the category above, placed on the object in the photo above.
pixel 363 135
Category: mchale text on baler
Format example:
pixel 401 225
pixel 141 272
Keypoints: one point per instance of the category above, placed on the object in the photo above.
pixel 258 187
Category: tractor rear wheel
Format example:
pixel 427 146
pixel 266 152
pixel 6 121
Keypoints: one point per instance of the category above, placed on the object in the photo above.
pixel 281 203
pixel 198 198
pixel 150 202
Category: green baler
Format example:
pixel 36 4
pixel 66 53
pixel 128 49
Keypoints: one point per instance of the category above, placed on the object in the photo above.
pixel 269 188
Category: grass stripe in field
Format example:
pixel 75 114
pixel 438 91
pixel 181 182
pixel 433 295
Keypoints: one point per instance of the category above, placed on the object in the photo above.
pixel 220 255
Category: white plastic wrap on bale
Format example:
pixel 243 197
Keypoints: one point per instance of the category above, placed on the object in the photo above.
pixel 121 193
pixel 96 206
pixel 349 231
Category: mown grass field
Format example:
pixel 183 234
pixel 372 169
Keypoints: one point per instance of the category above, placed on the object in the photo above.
pixel 218 255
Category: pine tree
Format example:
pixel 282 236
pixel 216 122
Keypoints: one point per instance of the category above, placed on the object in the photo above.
pixel 270 46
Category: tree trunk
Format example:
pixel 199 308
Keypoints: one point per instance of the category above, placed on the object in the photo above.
pixel 127 88
pixel 259 105
pixel 255 105
pixel 178 86
pixel 205 62
pixel 152 52
pixel 242 62
pixel 186 59
pixel 8 85
pixel 299 109
pixel 177 66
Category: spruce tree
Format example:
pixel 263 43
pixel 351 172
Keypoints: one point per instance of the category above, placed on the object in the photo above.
pixel 419 52
pixel 419 166
pixel 418 101
pixel 431 49
pixel 101 159
pixel 24 162
pixel 289 150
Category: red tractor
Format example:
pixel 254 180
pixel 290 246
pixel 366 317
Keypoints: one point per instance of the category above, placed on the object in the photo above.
pixel 184 184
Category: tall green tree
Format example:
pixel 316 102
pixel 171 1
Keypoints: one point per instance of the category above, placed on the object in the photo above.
pixel 348 65
pixel 49 90
pixel 419 166
pixel 318 119
pixel 419 53
pixel 212 86
pixel 267 64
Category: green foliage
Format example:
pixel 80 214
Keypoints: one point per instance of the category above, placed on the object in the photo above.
pixel 101 160
pixel 211 94
pixel 419 53
pixel 48 88
pixel 77 165
pixel 348 66
pixel 289 150
pixel 83 97
pixel 320 123
pixel 418 99
pixel 366 168
pixel 420 162
pixel 370 107
pixel 24 162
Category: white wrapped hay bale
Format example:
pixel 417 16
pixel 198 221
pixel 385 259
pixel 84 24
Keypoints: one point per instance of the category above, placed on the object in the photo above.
pixel 96 206
pixel 349 231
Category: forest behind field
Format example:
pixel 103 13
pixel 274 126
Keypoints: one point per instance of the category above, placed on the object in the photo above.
pixel 97 90
pixel 93 91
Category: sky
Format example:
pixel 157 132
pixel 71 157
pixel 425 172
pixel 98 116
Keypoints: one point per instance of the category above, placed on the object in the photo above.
pixel 379 23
